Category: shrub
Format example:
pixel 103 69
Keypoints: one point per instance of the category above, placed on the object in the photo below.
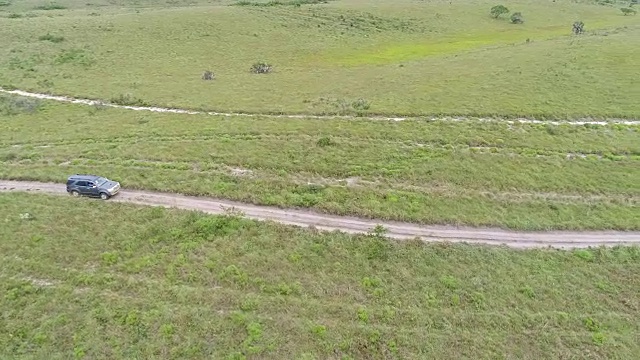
pixel 578 27
pixel 261 68
pixel 325 141
pixel 319 330
pixel 74 56
pixel 516 18
pixel 5 3
pixel 50 6
pixel 52 38
pixel 628 11
pixel 14 16
pixel 208 75
pixel 17 105
pixel 128 100
pixel 498 10
pixel 360 105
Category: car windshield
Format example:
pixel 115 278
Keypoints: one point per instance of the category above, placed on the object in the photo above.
pixel 101 181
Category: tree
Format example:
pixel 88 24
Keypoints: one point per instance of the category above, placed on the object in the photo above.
pixel 516 18
pixel 578 27
pixel 628 11
pixel 498 10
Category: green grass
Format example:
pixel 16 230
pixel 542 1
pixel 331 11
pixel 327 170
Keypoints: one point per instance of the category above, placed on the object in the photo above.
pixel 52 38
pixel 402 57
pixel 523 176
pixel 82 278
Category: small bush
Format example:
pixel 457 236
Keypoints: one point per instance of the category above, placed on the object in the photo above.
pixel 18 105
pixel 578 27
pixel 498 10
pixel 377 249
pixel 52 38
pixel 50 6
pixel 360 105
pixel 516 18
pixel 128 100
pixel 5 3
pixel 261 68
pixel 74 56
pixel 343 106
pixel 14 16
pixel 363 315
pixel 528 292
pixel 449 282
pixel 249 304
pixel 591 324
pixel 378 231
pixel 208 75
pixel 319 330
pixel 598 338
pixel 628 11
pixel 325 141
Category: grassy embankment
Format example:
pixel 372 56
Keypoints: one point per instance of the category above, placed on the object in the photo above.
pixel 400 57
pixel 82 278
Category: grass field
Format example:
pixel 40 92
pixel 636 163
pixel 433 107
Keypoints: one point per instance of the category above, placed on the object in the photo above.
pixel 524 176
pixel 90 279
pixel 156 283
pixel 347 56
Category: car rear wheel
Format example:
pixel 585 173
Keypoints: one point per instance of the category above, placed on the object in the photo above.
pixel 104 196
pixel 75 193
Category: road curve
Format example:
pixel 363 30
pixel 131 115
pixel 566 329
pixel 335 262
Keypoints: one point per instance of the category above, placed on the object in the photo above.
pixel 395 230
pixel 80 101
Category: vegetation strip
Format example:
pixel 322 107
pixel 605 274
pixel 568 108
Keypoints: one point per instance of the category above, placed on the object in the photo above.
pixel 302 116
pixel 395 230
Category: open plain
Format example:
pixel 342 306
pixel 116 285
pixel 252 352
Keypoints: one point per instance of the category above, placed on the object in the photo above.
pixel 437 114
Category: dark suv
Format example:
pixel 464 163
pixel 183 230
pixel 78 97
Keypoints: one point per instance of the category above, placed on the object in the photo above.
pixel 92 185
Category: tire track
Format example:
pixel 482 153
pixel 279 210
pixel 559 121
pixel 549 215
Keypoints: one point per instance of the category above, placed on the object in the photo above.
pixel 302 116
pixel 352 225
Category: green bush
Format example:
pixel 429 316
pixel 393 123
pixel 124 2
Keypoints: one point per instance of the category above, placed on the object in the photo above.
pixel 50 6
pixel 52 38
pixel 498 10
pixel 516 18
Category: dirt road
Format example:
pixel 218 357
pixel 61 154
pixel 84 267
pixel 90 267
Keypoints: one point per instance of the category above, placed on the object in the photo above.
pixel 395 230
pixel 302 116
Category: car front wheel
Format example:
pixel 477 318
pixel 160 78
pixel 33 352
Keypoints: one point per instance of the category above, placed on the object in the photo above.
pixel 75 193
pixel 104 196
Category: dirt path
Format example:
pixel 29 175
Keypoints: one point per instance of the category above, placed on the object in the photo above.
pixel 302 116
pixel 396 230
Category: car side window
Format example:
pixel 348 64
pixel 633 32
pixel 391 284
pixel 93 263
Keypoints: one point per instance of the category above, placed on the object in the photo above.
pixel 81 183
pixel 90 184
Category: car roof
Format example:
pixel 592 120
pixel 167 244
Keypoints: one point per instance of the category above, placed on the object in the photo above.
pixel 83 177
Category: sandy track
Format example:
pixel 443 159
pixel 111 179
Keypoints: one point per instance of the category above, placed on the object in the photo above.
pixel 395 230
pixel 302 116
